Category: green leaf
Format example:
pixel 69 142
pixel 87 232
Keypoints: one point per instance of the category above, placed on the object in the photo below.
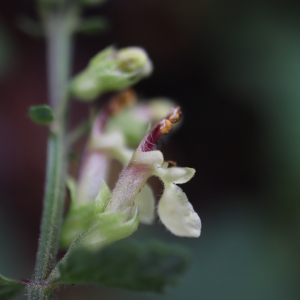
pixel 127 264
pixel 8 287
pixel 41 114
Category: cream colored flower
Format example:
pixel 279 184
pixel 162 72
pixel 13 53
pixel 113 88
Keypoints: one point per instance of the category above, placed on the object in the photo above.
pixel 174 209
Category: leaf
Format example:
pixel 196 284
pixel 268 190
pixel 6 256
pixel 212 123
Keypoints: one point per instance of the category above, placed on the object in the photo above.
pixel 41 114
pixel 9 287
pixel 127 264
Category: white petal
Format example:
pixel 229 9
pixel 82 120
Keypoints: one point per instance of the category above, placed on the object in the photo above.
pixel 146 203
pixel 175 174
pixel 153 159
pixel 177 214
pixel 165 165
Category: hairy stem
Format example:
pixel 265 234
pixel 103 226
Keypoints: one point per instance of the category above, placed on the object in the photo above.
pixel 58 26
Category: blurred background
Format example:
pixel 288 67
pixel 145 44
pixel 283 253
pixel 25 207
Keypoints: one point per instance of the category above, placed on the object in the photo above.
pixel 234 67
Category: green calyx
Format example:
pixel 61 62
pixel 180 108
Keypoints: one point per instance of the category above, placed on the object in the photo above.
pixel 81 215
pixel 89 225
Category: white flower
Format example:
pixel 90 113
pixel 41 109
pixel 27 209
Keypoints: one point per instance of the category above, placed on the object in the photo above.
pixel 174 209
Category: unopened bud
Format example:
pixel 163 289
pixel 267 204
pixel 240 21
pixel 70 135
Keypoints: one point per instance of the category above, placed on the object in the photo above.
pixel 134 58
pixel 111 70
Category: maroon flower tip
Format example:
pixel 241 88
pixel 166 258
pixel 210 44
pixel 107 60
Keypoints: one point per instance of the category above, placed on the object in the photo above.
pixel 162 127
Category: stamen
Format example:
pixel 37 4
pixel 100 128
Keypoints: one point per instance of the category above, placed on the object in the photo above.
pixel 175 115
pixel 174 163
pixel 162 127
pixel 165 126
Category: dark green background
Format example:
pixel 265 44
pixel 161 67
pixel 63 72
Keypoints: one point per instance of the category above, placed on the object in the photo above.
pixel 234 67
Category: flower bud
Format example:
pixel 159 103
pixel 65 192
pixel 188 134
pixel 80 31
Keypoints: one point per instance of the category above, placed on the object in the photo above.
pixel 132 59
pixel 111 70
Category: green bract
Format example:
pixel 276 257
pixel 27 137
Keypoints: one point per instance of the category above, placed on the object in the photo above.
pixel 111 70
pixel 93 227
pixel 81 214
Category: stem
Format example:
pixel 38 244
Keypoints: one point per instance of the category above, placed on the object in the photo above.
pixel 58 57
pixel 58 26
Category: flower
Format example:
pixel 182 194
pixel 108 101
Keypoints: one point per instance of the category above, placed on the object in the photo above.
pixel 111 133
pixel 174 209
pixel 98 217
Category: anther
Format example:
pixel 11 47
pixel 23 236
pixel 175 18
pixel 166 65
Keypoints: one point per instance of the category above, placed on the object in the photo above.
pixel 165 126
pixel 175 115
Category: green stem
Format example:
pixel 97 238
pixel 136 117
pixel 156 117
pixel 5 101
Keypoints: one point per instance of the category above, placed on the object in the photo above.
pixel 58 26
